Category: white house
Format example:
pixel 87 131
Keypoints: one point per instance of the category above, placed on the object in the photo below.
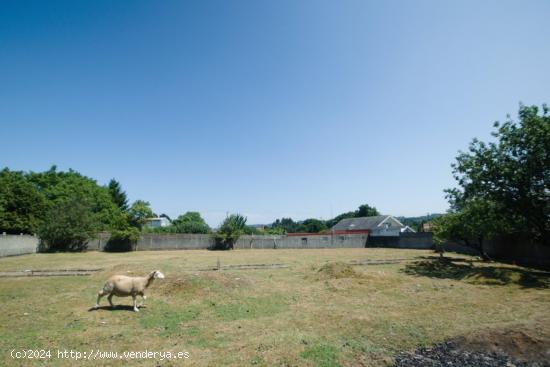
pixel 156 222
pixel 380 225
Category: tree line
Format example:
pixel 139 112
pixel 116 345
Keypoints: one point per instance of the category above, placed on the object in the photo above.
pixel 66 209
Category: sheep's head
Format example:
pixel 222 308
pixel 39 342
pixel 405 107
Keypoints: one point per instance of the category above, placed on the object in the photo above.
pixel 157 274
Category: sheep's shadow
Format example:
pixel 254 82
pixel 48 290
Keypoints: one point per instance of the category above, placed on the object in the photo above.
pixel 115 308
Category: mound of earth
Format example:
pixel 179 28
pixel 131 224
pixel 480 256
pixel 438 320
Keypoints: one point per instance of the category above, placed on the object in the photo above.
pixel 337 270
pixel 520 346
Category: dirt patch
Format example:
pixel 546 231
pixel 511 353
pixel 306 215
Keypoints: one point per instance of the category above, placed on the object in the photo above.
pixel 337 270
pixel 522 343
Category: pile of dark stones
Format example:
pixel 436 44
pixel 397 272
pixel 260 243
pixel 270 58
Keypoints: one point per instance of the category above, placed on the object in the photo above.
pixel 448 354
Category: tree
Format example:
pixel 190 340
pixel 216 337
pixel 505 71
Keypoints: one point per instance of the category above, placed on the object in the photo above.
pixel 506 183
pixel 366 211
pixel 69 224
pixel 287 224
pixel 190 222
pixel 117 195
pixel 139 212
pixel 312 225
pixel 231 229
pixel 22 206
pixel 58 186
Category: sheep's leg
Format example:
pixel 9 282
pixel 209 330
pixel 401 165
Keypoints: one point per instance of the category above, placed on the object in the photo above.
pixel 110 299
pixel 135 303
pixel 143 298
pixel 100 294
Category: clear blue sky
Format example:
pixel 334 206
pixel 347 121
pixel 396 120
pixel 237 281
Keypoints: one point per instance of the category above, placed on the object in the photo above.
pixel 267 108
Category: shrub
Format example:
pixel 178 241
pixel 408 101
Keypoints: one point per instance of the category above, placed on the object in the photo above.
pixel 231 229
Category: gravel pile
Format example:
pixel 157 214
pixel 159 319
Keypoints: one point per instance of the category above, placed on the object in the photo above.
pixel 449 355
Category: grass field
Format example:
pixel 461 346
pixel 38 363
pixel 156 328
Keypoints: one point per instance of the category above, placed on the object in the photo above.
pixel 316 312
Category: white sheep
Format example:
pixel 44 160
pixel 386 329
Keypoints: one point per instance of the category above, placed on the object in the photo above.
pixel 124 286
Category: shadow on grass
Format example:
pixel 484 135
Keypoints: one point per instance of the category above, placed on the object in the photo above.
pixel 115 308
pixel 478 272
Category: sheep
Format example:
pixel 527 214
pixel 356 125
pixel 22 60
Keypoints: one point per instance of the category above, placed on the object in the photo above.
pixel 124 286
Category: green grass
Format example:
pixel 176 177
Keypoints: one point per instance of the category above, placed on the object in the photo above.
pixel 322 355
pixel 318 312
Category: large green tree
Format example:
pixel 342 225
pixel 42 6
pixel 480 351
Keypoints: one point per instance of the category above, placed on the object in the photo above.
pixel 57 186
pixel 190 222
pixel 504 185
pixel 22 205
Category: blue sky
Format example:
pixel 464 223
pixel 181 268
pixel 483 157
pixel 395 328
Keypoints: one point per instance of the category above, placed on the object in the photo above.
pixel 267 108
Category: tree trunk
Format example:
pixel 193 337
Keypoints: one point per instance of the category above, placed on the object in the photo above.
pixel 482 252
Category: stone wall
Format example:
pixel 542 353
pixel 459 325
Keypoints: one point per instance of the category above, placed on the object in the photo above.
pixel 11 245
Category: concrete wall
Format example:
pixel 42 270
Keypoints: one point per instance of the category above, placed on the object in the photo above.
pixel 178 241
pixel 511 248
pixel 422 240
pixel 11 245
pixel 306 241
pixel 154 241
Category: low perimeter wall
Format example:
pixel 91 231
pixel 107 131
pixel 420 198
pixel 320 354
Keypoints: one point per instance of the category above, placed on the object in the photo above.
pixel 11 245
pixel 154 241
pixel 422 240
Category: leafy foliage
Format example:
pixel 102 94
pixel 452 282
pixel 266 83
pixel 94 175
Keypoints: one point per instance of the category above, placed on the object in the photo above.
pixel 191 222
pixel 312 225
pixel 22 206
pixel 285 224
pixel 229 232
pixel 69 224
pixel 122 239
pixel 44 201
pixel 117 195
pixel 504 186
pixel 139 212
